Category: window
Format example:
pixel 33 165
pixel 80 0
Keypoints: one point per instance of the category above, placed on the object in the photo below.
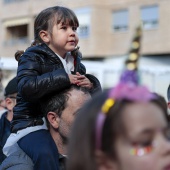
pixel 16 35
pixel 16 30
pixel 83 16
pixel 150 17
pixel 120 20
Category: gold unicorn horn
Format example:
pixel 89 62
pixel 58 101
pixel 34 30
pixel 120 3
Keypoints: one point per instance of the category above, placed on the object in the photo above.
pixel 132 61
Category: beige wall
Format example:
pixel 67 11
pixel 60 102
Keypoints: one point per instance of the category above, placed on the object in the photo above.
pixel 103 41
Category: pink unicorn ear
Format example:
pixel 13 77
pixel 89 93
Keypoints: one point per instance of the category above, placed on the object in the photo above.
pixel 130 73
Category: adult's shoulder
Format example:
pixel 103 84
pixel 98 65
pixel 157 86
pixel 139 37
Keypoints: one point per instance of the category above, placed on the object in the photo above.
pixel 17 160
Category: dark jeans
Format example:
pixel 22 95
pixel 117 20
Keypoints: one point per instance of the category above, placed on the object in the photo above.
pixel 40 147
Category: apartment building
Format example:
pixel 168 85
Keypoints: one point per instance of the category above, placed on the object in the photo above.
pixel 106 26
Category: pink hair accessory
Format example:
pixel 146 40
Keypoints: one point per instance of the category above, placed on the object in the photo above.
pixel 132 92
pixel 99 129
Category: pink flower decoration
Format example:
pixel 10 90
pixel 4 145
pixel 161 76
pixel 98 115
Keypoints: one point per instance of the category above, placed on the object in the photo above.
pixel 132 92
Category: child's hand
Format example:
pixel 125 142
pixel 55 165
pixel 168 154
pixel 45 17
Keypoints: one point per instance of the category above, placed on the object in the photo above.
pixel 83 81
pixel 73 78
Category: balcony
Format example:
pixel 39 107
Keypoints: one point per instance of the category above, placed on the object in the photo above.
pixel 12 1
pixel 14 41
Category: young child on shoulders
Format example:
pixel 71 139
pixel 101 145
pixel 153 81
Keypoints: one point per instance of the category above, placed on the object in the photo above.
pixel 49 65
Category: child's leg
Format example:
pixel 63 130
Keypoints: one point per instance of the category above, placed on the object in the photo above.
pixel 40 147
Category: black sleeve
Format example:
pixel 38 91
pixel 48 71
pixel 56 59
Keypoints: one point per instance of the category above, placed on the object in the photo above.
pixel 33 84
pixel 96 84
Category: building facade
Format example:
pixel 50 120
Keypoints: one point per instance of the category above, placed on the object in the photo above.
pixel 106 27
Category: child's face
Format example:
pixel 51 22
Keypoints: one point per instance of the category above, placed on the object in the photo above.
pixel 145 145
pixel 64 38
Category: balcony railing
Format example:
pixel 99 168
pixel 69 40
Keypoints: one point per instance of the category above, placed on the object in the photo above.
pixel 14 41
pixel 12 1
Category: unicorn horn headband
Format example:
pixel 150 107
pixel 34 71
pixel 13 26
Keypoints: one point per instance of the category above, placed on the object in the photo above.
pixel 130 74
pixel 128 87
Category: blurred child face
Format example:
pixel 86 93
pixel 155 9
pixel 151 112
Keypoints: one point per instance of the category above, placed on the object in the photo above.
pixel 168 105
pixel 64 38
pixel 145 145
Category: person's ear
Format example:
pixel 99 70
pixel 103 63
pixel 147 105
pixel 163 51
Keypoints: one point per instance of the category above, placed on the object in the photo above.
pixel 169 105
pixel 9 104
pixel 44 35
pixel 103 162
pixel 53 119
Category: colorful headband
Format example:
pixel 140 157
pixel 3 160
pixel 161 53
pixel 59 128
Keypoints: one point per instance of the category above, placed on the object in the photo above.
pixel 128 88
